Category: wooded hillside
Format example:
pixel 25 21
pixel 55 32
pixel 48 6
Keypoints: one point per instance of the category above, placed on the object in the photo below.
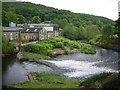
pixel 23 12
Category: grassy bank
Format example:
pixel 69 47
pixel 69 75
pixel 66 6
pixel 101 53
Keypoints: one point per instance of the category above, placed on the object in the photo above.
pixel 112 43
pixel 47 80
pixel 95 80
pixel 45 49
pixel 29 55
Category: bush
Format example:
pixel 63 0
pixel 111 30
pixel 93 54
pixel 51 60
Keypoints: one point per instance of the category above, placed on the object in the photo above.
pixel 7 47
pixel 49 53
pixel 87 49
pixel 66 51
pixel 46 46
pixel 39 48
pixel 59 45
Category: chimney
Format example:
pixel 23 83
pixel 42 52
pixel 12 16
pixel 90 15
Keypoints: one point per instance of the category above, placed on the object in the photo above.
pixel 12 24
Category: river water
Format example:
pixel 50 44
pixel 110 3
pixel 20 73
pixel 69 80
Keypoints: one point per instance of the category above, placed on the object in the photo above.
pixel 78 65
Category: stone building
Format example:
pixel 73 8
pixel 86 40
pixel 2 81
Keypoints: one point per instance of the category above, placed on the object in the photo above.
pixel 31 32
pixel 12 32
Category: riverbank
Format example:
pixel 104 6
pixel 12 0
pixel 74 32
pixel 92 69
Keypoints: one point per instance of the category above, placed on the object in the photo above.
pixel 113 44
pixel 47 80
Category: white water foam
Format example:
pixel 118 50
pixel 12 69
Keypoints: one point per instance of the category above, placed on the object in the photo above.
pixel 80 68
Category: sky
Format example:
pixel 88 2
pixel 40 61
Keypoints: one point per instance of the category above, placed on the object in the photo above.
pixel 105 8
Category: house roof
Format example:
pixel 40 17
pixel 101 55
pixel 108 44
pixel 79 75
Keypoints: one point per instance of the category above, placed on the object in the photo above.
pixel 31 30
pixel 38 24
pixel 15 29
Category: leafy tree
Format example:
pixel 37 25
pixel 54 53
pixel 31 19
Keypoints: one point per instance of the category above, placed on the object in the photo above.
pixel 36 19
pixel 91 31
pixel 69 31
pixel 107 30
pixel 21 19
pixel 10 17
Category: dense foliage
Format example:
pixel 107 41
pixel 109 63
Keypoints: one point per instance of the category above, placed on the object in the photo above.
pixel 27 10
pixel 46 46
pixel 41 48
pixel 7 47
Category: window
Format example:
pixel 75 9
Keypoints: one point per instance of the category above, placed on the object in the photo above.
pixel 5 34
pixel 11 36
pixel 17 35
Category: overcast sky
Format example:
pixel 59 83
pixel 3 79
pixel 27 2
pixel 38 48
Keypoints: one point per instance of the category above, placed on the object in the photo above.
pixel 106 8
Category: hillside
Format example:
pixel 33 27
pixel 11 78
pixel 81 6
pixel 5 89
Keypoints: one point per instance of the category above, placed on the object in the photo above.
pixel 22 12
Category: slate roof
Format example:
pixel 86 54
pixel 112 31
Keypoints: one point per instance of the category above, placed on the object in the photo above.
pixel 37 25
pixel 12 29
pixel 31 30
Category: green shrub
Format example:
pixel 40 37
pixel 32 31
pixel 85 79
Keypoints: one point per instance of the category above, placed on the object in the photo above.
pixel 59 45
pixel 45 46
pixel 49 53
pixel 66 51
pixel 39 48
pixel 88 49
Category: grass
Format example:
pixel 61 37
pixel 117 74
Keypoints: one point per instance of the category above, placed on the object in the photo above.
pixel 29 55
pixel 46 80
pixel 94 79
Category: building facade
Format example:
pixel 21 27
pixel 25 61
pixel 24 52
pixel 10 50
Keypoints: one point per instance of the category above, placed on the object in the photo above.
pixel 11 32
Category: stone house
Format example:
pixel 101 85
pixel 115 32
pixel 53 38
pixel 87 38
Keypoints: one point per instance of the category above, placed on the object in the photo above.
pixel 33 34
pixel 11 32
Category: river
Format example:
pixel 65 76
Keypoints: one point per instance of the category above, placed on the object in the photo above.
pixel 78 65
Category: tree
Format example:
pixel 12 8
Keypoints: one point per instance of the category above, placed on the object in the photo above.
pixel 91 31
pixel 69 32
pixel 36 20
pixel 107 31
pixel 11 17
pixel 21 19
